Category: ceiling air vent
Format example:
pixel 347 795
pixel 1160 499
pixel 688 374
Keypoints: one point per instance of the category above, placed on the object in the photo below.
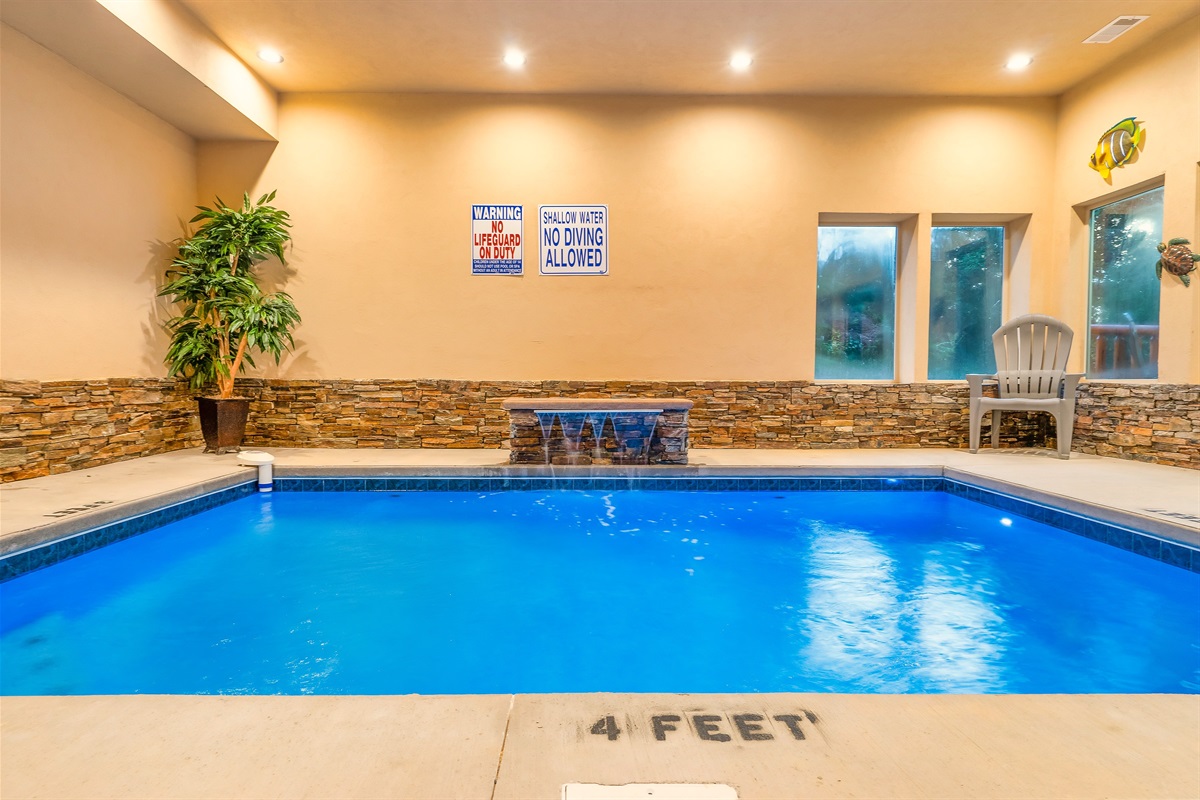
pixel 1113 29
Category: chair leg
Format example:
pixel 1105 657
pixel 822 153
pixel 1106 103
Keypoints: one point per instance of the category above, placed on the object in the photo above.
pixel 975 420
pixel 1064 424
pixel 996 430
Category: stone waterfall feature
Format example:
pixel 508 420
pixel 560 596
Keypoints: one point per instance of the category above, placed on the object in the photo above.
pixel 598 430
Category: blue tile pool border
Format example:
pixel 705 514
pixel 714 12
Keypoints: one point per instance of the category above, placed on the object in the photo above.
pixel 45 555
pixel 1134 541
pixel 607 483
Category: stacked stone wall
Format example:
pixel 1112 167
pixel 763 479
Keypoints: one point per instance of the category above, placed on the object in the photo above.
pixel 59 426
pixel 1143 422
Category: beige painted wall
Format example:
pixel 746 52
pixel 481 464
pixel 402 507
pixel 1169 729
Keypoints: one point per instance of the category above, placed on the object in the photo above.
pixel 188 43
pixel 1160 84
pixel 92 187
pixel 713 204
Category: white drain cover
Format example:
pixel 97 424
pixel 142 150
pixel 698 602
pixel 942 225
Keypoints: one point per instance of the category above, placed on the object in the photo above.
pixel 649 791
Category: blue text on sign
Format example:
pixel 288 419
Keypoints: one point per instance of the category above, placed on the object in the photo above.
pixel 573 240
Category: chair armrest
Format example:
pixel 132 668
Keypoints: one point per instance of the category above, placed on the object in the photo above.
pixel 1070 382
pixel 975 381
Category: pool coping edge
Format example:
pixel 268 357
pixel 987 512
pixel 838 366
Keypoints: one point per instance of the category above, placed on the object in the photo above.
pixel 127 519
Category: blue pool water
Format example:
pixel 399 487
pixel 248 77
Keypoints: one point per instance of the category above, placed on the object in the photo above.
pixel 572 591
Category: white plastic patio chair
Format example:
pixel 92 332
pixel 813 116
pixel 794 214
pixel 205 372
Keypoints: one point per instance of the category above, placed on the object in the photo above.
pixel 1031 360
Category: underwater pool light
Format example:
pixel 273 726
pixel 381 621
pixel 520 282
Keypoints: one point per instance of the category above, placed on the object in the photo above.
pixel 1006 522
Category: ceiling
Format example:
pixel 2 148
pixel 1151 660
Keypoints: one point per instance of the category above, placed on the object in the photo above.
pixel 844 47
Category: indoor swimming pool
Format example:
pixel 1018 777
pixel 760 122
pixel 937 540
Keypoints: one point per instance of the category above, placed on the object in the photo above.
pixel 613 590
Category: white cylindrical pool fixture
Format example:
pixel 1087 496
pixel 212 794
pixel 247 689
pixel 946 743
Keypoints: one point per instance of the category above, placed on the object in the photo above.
pixel 256 458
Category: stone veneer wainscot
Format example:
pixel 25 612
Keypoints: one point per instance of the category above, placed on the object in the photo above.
pixel 48 427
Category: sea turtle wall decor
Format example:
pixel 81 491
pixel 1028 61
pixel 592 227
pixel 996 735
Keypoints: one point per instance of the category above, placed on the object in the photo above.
pixel 1178 259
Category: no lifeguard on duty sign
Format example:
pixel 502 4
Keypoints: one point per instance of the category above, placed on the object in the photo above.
pixel 497 240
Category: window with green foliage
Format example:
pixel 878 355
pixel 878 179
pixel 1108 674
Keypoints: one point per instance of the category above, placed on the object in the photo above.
pixel 1123 297
pixel 856 303
pixel 966 281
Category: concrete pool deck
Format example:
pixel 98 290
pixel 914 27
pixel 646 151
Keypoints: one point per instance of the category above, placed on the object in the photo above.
pixel 530 746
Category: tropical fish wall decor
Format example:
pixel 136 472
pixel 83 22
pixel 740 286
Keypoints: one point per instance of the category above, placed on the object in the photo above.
pixel 1177 259
pixel 1117 147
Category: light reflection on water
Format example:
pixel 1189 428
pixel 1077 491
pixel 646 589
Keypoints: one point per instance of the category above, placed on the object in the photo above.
pixel 940 631
pixel 854 606
pixel 961 634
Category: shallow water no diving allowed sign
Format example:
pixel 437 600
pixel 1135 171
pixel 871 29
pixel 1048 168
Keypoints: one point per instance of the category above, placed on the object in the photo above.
pixel 573 240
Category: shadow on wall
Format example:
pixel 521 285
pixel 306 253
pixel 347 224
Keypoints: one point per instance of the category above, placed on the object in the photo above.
pixel 154 332
pixel 225 170
pixel 297 362
pixel 230 169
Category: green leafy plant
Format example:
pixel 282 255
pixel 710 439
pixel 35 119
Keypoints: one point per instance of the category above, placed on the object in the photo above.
pixel 225 318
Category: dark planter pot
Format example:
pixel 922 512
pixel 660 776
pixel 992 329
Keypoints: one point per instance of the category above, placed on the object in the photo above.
pixel 223 423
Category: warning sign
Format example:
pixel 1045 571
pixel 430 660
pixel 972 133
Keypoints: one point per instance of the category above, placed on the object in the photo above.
pixel 497 240
pixel 573 240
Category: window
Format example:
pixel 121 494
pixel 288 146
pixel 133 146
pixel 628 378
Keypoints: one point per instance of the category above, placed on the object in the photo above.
pixel 1123 297
pixel 965 293
pixel 856 303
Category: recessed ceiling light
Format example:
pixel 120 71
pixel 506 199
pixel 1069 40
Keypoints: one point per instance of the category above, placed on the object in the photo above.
pixel 270 56
pixel 1019 62
pixel 514 58
pixel 741 61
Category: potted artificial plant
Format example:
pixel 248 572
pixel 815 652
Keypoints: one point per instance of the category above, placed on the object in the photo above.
pixel 224 316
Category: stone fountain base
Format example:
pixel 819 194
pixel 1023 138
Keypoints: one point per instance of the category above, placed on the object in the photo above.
pixel 601 430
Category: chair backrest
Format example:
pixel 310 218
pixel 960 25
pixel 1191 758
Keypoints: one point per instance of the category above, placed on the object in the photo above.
pixel 1031 356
